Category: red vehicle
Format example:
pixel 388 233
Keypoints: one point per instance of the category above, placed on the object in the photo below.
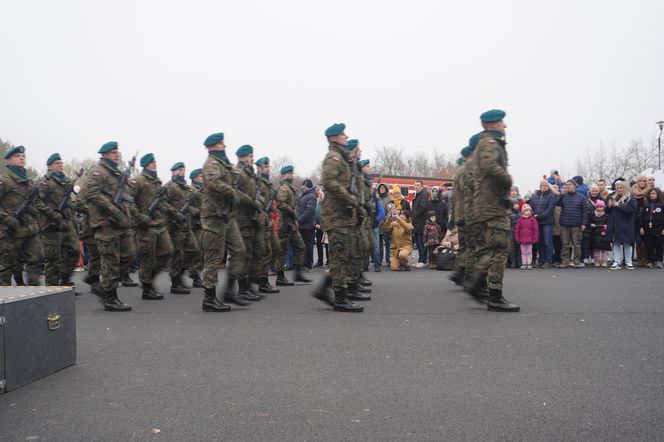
pixel 407 183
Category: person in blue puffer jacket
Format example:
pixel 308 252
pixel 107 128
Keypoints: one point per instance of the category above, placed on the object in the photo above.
pixel 543 204
pixel 573 220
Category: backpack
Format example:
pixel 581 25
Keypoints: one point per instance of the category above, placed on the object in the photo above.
pixel 445 260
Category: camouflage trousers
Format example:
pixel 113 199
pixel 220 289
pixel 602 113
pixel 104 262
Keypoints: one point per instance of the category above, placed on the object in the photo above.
pixel 366 247
pixel 185 251
pixel 489 243
pixel 94 260
pixel 117 249
pixel 345 252
pixel 195 261
pixel 25 249
pixel 289 235
pixel 272 250
pixel 462 253
pixel 154 251
pixel 219 235
pixel 61 249
pixel 255 250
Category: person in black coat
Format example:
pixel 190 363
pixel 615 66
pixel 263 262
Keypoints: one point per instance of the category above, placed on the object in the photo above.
pixel 600 244
pixel 652 227
pixel 306 219
pixel 439 205
pixel 622 218
pixel 420 207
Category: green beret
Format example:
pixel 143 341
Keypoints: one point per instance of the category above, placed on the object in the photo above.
pixel 14 150
pixel 472 142
pixel 466 151
pixel 245 150
pixel 335 129
pixel 492 116
pixel 460 161
pixel 111 145
pixel 177 166
pixel 352 144
pixel 214 139
pixel 53 158
pixel 147 159
pixel 363 163
pixel 194 173
pixel 286 169
pixel 265 161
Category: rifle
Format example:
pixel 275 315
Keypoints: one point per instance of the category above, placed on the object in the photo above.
pixel 156 202
pixel 190 201
pixel 355 190
pixel 64 202
pixel 120 196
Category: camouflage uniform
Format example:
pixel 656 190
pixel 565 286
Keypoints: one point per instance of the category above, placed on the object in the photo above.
pixel 220 229
pixel 58 230
pixel 19 243
pixel 250 218
pixel 185 244
pixel 154 242
pixel 287 228
pixel 111 224
pixel 195 262
pixel 486 207
pixel 86 232
pixel 272 247
pixel 370 214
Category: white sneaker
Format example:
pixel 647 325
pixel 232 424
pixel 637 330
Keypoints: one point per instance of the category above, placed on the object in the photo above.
pixel 419 265
pixel 615 266
pixel 630 266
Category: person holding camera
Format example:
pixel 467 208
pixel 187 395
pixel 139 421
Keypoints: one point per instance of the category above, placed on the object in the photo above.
pixel 400 226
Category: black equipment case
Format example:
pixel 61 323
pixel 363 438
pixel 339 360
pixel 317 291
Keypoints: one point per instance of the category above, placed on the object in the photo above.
pixel 37 333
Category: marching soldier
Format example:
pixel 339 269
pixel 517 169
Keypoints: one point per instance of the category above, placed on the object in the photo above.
pixel 487 211
pixel 185 245
pixel 287 229
pixel 111 222
pixel 58 225
pixel 150 211
pixel 368 244
pixel 219 227
pixel 267 229
pixel 195 263
pixel 339 220
pixel 19 237
pixel 249 216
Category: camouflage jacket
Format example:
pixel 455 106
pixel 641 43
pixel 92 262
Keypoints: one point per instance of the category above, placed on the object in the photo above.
pixel 145 190
pixel 487 183
pixel 13 191
pixel 267 193
pixel 369 208
pixel 195 215
pixel 177 195
pixel 458 217
pixel 286 204
pixel 247 213
pixel 339 207
pixel 51 193
pixel 101 184
pixel 218 192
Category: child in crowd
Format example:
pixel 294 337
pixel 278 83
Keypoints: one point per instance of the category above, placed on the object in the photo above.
pixel 451 240
pixel 526 233
pixel 432 237
pixel 599 243
pixel 652 227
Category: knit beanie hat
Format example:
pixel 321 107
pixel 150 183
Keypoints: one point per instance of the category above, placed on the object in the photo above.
pixel 526 207
pixel 599 203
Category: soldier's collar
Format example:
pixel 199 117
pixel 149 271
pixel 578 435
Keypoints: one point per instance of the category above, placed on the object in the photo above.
pixel 220 155
pixel 495 134
pixel 150 174
pixel 110 164
pixel 265 177
pixel 18 171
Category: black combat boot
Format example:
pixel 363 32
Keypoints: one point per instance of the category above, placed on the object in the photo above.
pixel 177 288
pixel 474 287
pixel 343 304
pixel 264 285
pixel 282 280
pixel 299 276
pixel 245 292
pixel 355 293
pixel 18 278
pixel 499 304
pixel 458 276
pixel 321 292
pixel 149 293
pixel 359 288
pixel 196 281
pixel 126 281
pixel 211 303
pixel 95 285
pixel 113 304
pixel 364 281
pixel 230 296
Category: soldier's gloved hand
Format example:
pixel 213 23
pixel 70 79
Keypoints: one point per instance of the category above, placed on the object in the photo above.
pixel 12 222
pixel 180 218
pixel 194 211
pixel 57 220
pixel 236 199
pixel 353 201
pixel 143 219
pixel 258 205
pixel 118 215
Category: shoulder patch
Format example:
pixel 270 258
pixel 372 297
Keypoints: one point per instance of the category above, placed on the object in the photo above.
pixel 491 140
pixel 95 173
pixel 336 158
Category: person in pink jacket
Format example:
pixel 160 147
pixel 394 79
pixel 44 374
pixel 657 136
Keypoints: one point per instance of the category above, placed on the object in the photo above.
pixel 526 233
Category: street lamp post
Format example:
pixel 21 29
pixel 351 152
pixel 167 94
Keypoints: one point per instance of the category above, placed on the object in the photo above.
pixel 659 145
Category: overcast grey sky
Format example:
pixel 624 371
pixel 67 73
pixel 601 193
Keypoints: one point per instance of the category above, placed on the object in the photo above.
pixel 159 76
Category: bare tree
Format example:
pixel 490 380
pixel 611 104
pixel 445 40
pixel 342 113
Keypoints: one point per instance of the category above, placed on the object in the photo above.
pixel 610 164
pixel 390 161
pixel 73 166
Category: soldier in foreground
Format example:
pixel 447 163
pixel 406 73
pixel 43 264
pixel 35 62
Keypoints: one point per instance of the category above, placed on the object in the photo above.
pixel 487 211
pixel 58 225
pixel 339 220
pixel 287 229
pixel 267 228
pixel 19 237
pixel 109 218
pixel 219 227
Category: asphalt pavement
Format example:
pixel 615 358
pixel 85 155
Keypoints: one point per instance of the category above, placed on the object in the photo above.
pixel 584 360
